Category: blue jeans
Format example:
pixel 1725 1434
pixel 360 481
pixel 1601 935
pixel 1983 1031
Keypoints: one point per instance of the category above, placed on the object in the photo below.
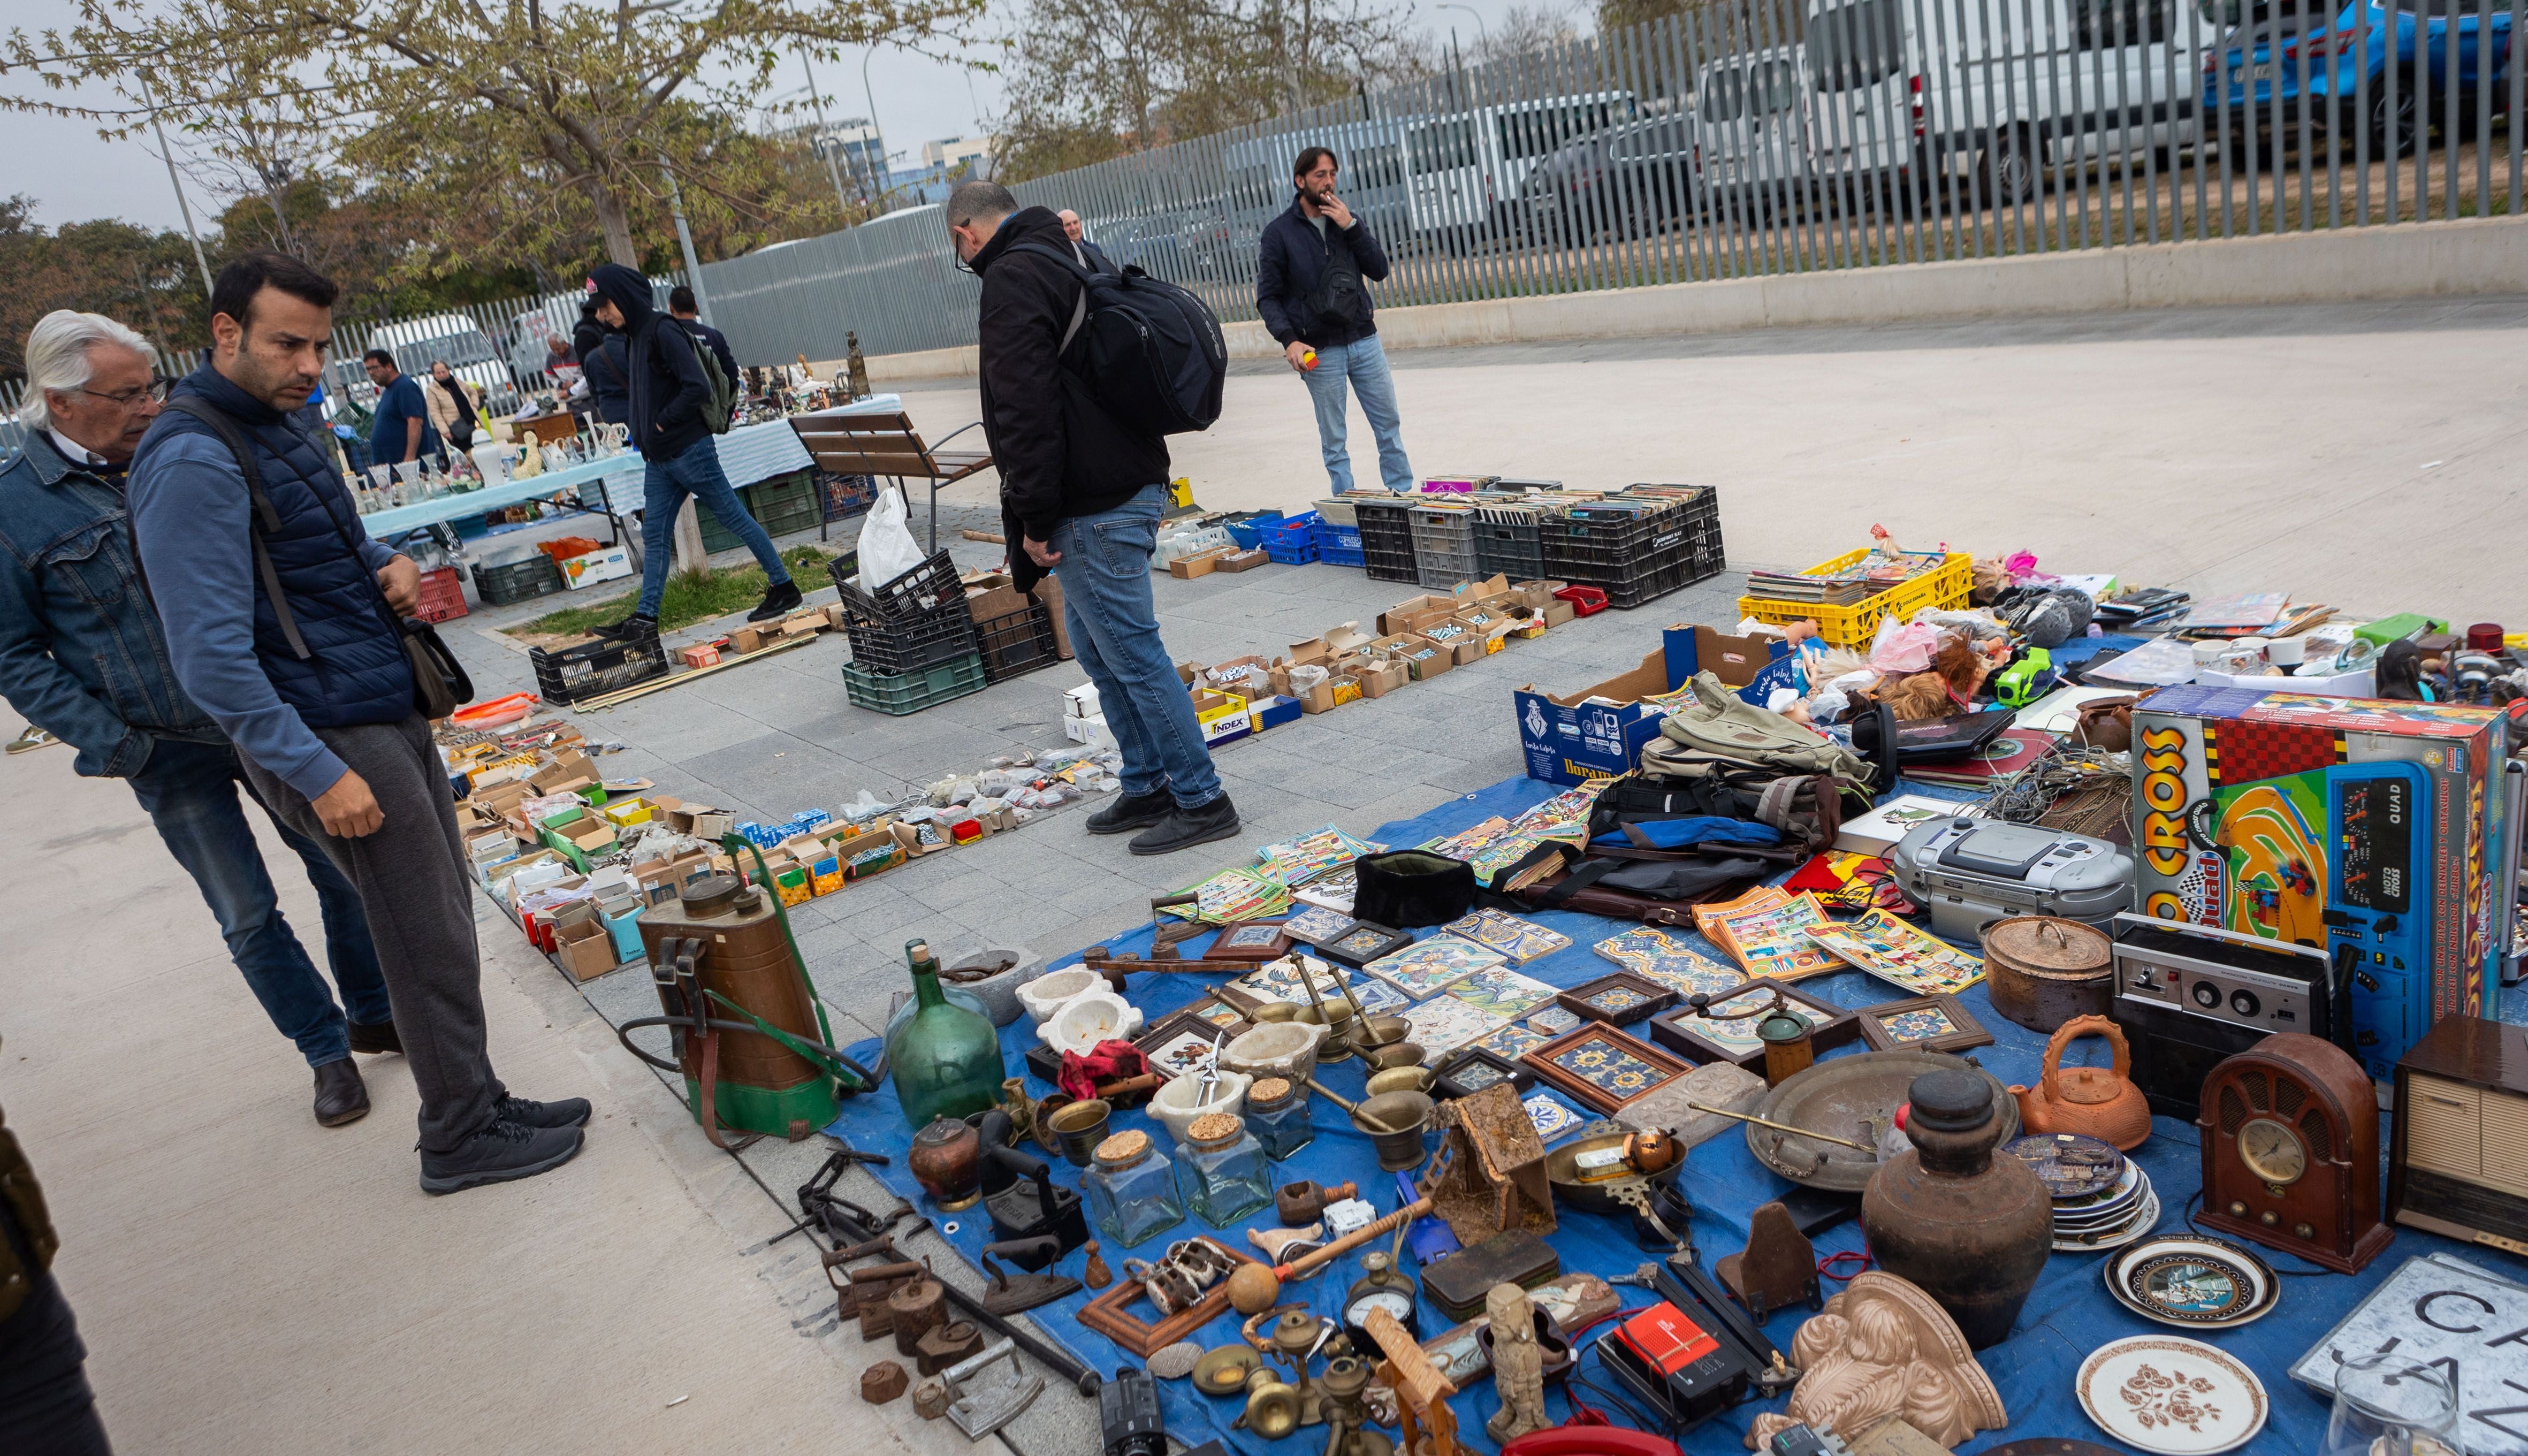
pixel 190 793
pixel 1105 576
pixel 663 489
pixel 1363 362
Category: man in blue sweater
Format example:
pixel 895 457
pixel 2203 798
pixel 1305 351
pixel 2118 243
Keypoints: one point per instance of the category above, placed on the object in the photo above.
pixel 1312 273
pixel 283 623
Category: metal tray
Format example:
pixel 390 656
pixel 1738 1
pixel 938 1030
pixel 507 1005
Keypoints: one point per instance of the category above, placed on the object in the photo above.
pixel 1848 1097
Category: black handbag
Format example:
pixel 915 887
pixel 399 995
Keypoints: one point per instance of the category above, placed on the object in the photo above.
pixel 1405 888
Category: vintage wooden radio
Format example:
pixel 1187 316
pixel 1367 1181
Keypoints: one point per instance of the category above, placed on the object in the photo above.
pixel 2457 1162
pixel 2290 1131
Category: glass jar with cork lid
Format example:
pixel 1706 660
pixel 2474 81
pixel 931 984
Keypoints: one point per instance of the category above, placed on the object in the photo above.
pixel 1277 1113
pixel 1132 1190
pixel 1222 1170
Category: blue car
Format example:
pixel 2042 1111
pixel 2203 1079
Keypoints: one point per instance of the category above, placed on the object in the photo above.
pixel 2342 64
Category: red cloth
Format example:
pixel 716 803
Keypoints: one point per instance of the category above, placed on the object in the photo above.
pixel 1110 1061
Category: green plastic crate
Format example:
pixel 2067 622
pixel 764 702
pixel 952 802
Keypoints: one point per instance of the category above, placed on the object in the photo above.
pixel 782 505
pixel 901 693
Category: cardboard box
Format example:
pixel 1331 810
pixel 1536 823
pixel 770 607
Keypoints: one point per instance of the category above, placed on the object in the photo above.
pixel 623 812
pixel 1348 638
pixel 1423 657
pixel 1464 643
pixel 2361 825
pixel 1248 677
pixel 1223 716
pixel 1080 701
pixel 803 623
pixel 588 568
pixel 1091 730
pixel 1317 699
pixel 700 654
pixel 1345 687
pixel 747 638
pixel 1380 676
pixel 1049 592
pixel 586 949
pixel 1313 652
pixel 1200 563
pixel 1595 731
pixel 1556 613
pixel 1536 595
pixel 569 772
pixel 1402 616
pixel 1272 711
pixel 1246 560
pixel 623 922
pixel 1755 666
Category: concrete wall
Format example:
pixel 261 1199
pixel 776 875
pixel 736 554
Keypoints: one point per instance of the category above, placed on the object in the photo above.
pixel 2447 259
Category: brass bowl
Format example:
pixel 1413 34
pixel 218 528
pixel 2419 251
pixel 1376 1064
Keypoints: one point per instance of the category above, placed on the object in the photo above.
pixel 1401 1079
pixel 1392 1053
pixel 1380 1031
pixel 1224 1370
pixel 1598 1197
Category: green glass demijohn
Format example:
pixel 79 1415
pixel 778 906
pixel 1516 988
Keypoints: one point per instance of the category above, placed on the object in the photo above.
pixel 945 1059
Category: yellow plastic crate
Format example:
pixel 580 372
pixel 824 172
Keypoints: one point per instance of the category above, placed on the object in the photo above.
pixel 1857 626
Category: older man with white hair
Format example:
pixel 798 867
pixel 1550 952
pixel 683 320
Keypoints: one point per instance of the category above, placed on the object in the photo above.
pixel 84 657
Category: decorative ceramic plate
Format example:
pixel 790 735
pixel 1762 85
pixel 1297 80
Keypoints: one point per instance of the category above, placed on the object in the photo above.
pixel 2192 1282
pixel 2070 1165
pixel 2121 1196
pixel 2170 1396
pixel 1433 965
pixel 2143 1222
pixel 1503 992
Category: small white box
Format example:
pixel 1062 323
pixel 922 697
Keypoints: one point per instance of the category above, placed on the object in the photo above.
pixel 588 568
pixel 1080 701
pixel 1091 730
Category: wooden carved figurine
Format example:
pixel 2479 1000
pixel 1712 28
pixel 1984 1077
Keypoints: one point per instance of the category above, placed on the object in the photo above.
pixel 1884 1348
pixel 1518 1365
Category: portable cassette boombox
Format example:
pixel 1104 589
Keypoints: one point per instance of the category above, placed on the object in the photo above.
pixel 1970 872
pixel 2189 997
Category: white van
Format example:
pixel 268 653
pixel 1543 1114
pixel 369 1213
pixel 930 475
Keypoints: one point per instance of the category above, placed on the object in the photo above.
pixel 1910 93
pixel 1464 170
pixel 1752 113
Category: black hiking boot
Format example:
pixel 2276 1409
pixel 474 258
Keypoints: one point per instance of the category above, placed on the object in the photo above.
pixel 633 626
pixel 375 1039
pixel 341 1096
pixel 570 1112
pixel 780 601
pixel 498 1151
pixel 1131 812
pixel 1185 828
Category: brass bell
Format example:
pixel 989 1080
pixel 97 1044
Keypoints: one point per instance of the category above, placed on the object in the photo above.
pixel 1273 1405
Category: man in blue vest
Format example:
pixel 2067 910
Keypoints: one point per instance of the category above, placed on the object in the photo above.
pixel 283 623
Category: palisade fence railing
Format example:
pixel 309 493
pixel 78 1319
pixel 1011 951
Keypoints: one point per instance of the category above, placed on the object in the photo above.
pixel 498 345
pixel 1769 136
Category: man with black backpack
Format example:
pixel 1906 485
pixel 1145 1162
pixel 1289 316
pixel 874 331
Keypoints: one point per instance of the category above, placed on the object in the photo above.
pixel 1313 270
pixel 1075 420
pixel 680 398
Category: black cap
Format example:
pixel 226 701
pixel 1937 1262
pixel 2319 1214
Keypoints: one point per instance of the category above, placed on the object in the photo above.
pixel 1950 1101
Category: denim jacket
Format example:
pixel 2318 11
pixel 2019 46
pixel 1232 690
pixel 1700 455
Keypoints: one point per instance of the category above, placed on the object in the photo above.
pixel 82 653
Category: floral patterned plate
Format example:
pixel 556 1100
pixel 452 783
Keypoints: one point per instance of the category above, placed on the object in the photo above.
pixel 2170 1396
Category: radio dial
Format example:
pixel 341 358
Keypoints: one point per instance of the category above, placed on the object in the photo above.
pixel 2207 995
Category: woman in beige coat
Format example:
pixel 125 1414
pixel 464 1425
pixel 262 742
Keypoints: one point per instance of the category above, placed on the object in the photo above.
pixel 455 407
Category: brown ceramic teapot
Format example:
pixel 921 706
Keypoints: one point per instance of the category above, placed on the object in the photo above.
pixel 2099 1101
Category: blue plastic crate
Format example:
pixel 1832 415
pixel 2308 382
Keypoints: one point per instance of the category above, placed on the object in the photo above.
pixel 1293 541
pixel 1249 533
pixel 1339 545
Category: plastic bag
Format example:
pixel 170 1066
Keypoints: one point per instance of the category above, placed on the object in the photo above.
pixel 1903 648
pixel 863 809
pixel 887 545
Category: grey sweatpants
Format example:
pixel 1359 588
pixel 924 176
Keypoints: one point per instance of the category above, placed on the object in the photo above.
pixel 413 881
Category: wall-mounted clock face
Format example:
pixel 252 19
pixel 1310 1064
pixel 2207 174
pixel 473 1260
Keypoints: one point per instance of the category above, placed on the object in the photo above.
pixel 2273 1152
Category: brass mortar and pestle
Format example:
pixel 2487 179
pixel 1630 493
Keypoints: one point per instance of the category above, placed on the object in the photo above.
pixel 1394 1119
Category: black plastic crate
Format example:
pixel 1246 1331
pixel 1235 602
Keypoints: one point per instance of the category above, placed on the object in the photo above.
pixel 889 645
pixel 1507 543
pixel 1016 643
pixel 517 580
pixel 917 593
pixel 1387 540
pixel 575 675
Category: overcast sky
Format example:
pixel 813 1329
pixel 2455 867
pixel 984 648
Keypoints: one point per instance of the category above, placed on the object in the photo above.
pixel 75 176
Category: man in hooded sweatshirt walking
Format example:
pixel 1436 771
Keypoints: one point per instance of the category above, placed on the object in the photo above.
pixel 1080 497
pixel 666 393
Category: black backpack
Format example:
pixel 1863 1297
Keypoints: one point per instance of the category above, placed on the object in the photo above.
pixel 1150 352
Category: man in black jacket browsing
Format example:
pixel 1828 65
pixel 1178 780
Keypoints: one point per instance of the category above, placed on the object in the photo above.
pixel 1314 266
pixel 666 396
pixel 1082 496
pixel 685 309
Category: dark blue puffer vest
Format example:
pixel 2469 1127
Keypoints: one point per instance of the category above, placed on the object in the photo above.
pixel 357 672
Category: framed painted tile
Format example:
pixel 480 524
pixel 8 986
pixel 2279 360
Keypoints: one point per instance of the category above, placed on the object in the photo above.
pixel 1709 1038
pixel 1333 892
pixel 1922 1023
pixel 1503 992
pixel 1601 1067
pixel 1429 968
pixel 1552 1020
pixel 1619 999
pixel 1655 955
pixel 1363 942
pixel 1549 1118
pixel 1470 1069
pixel 1180 1043
pixel 1214 1010
pixel 1315 924
pixel 1250 940
pixel 1520 940
pixel 1512 1042
pixel 1443 1024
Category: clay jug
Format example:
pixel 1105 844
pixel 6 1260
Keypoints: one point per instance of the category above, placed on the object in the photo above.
pixel 2099 1101
pixel 1970 1230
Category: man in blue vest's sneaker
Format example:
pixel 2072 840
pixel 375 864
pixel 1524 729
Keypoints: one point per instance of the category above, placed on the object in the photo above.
pixel 1081 499
pixel 282 619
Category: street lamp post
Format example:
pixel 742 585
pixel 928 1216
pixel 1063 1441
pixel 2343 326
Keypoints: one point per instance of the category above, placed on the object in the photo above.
pixel 825 142
pixel 877 133
pixel 1483 33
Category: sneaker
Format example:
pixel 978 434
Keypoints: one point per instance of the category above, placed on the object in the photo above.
pixel 1185 828
pixel 781 600
pixel 1131 812
pixel 341 1096
pixel 634 625
pixel 375 1038
pixel 496 1153
pixel 33 739
pixel 570 1112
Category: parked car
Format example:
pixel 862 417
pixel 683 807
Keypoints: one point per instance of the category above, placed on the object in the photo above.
pixel 2365 67
pixel 1465 171
pixel 1625 183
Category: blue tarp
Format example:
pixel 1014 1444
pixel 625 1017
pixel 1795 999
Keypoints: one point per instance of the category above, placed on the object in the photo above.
pixel 2069 1315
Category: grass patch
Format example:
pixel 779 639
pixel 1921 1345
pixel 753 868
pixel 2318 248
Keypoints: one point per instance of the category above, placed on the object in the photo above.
pixel 691 596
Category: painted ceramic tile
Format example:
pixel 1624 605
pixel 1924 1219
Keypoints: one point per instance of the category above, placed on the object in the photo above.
pixel 1442 1024
pixel 1184 1052
pixel 1551 1119
pixel 1920 1023
pixel 1315 924
pixel 1512 1042
pixel 1475 1076
pixel 1520 940
pixel 1501 992
pixel 1249 938
pixel 1616 999
pixel 1431 966
pixel 1610 1070
pixel 1300 860
pixel 1655 955
pixel 1737 1036
pixel 1278 980
pixel 1219 1014
pixel 1467 842
pixel 1554 1020
pixel 1893 951
pixel 1334 890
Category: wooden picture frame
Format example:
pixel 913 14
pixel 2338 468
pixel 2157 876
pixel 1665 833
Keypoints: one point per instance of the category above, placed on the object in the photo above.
pixel 1682 1031
pixel 1365 941
pixel 1256 941
pixel 1641 997
pixel 1631 1069
pixel 1110 1313
pixel 1964 1029
pixel 1449 1084
pixel 1173 1030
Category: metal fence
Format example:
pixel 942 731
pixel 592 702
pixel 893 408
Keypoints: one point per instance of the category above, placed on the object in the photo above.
pixel 498 345
pixel 1769 136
